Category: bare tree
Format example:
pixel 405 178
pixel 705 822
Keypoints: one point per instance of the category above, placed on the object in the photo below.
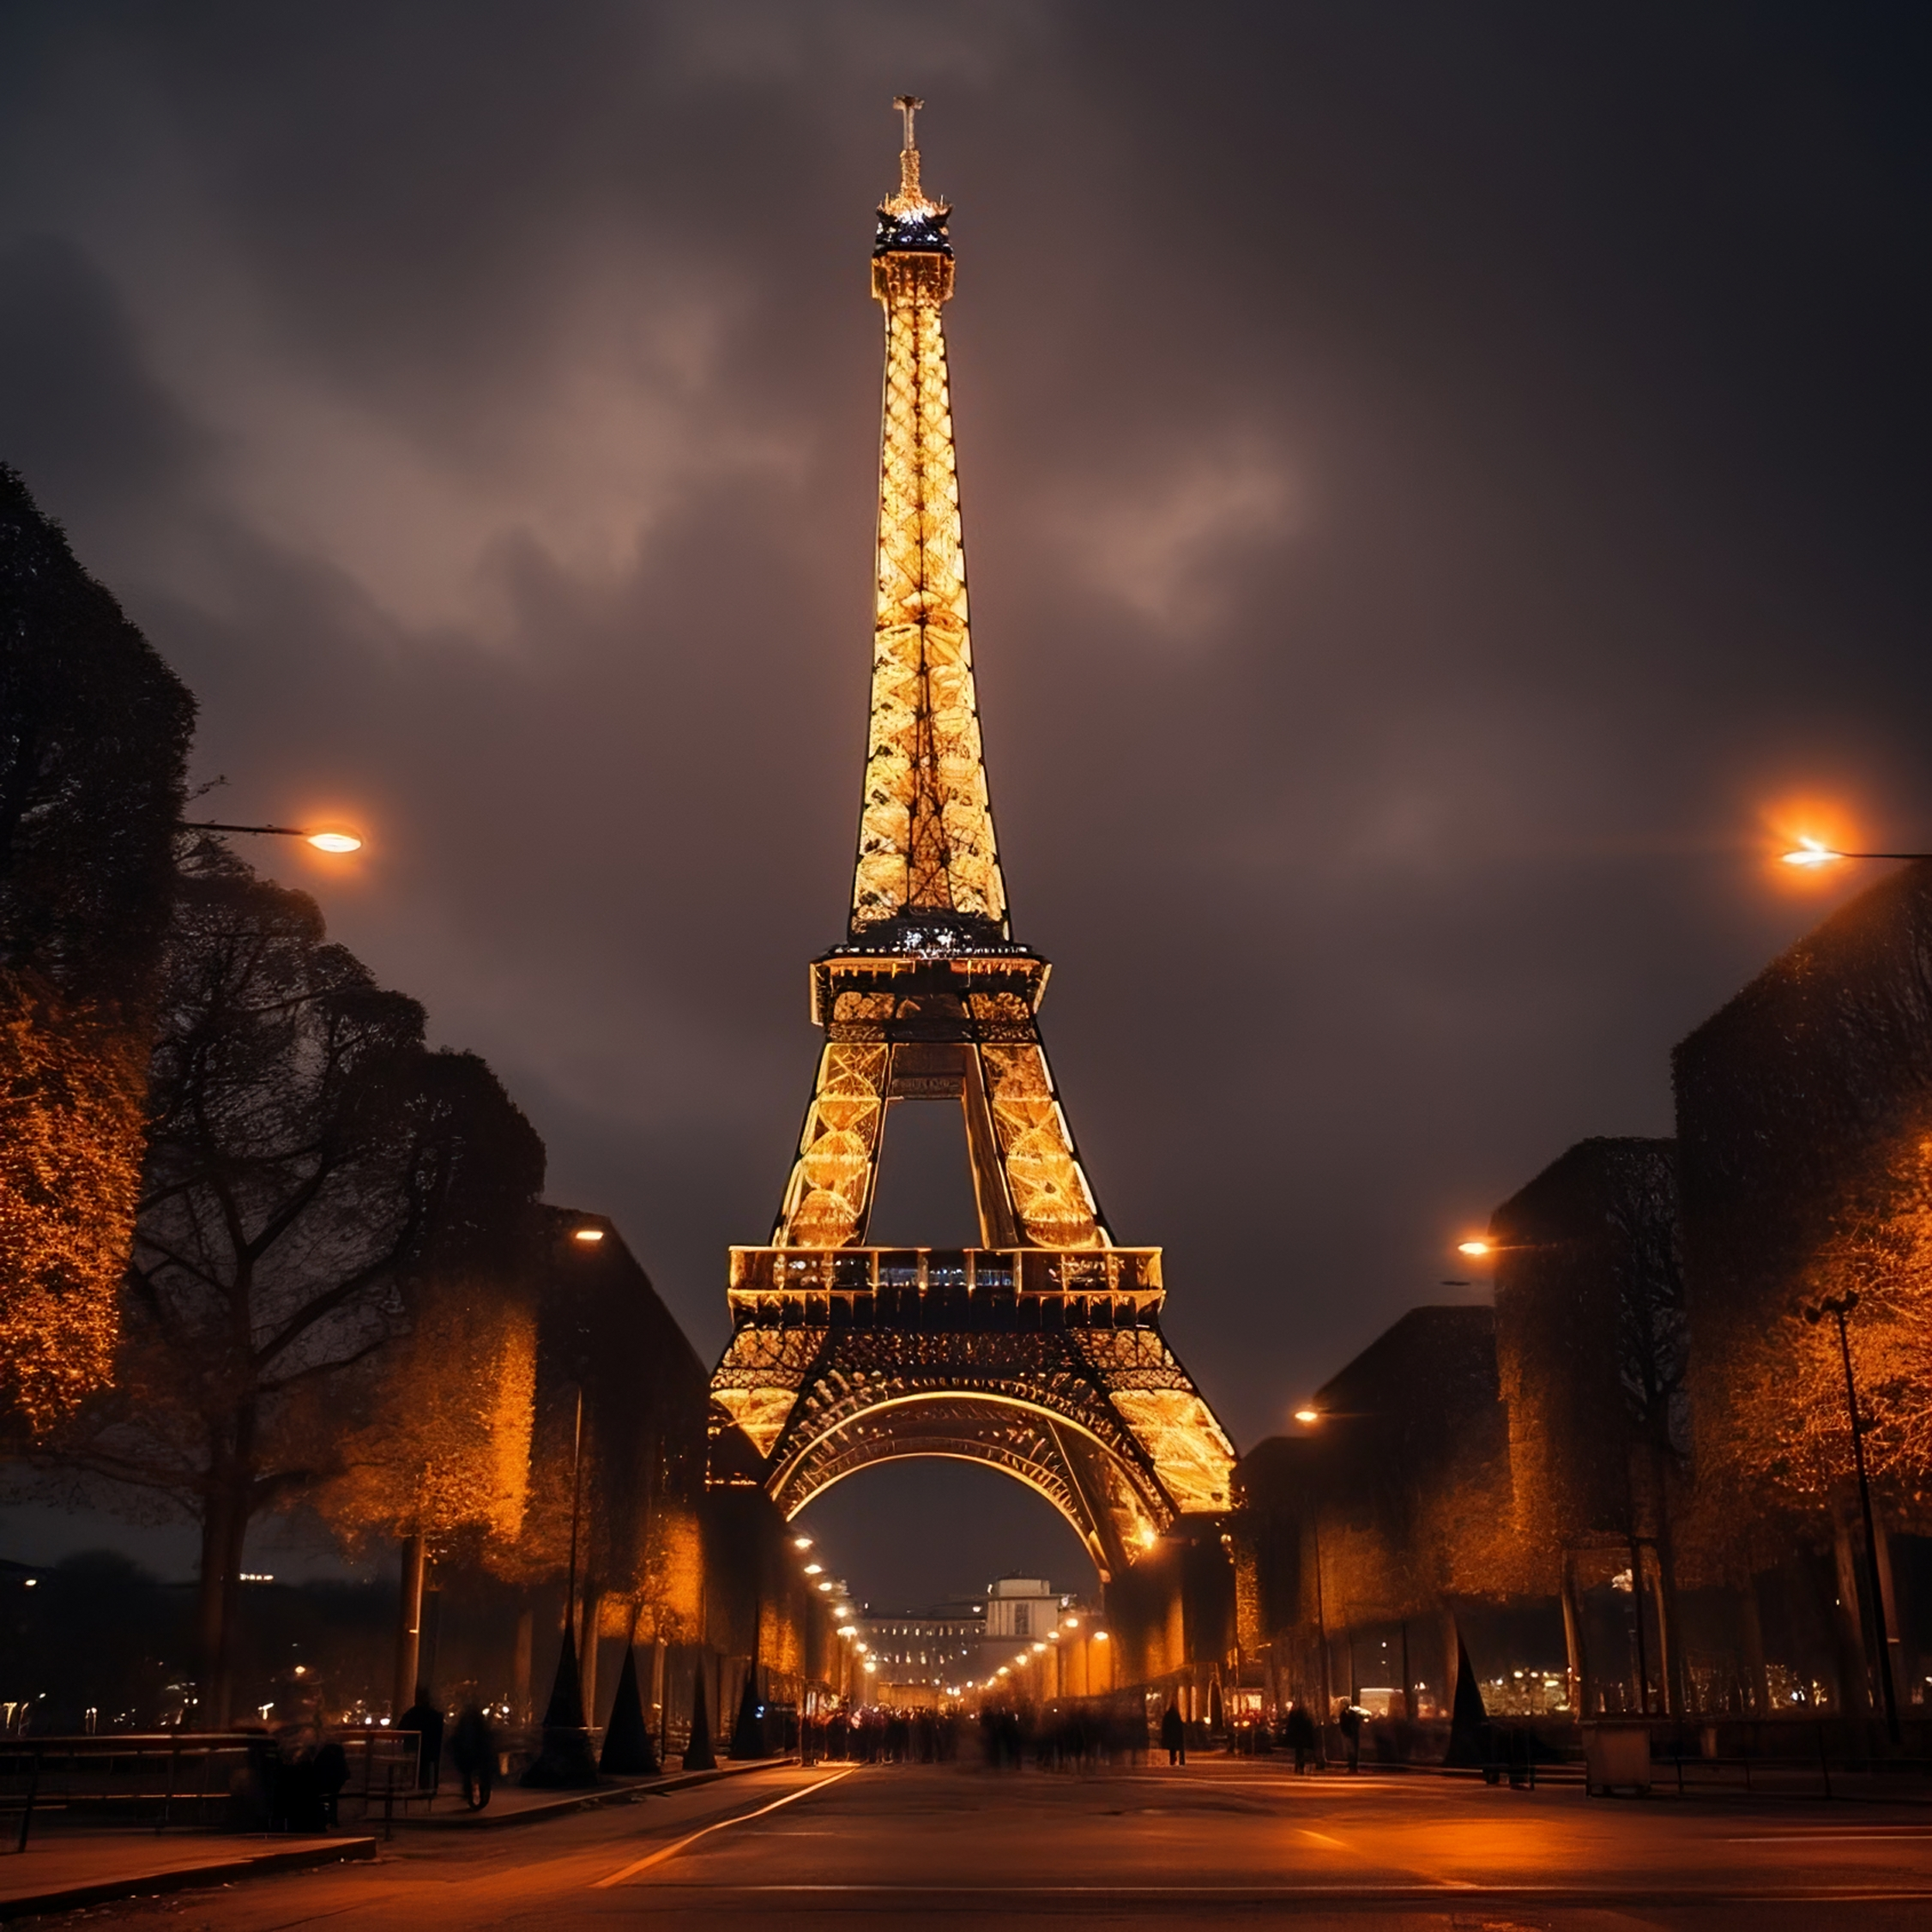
pixel 310 1165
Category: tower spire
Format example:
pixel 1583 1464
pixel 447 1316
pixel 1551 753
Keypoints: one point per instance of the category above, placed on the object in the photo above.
pixel 926 851
pixel 909 105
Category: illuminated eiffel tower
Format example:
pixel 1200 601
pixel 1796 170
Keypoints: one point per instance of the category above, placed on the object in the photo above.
pixel 1039 1351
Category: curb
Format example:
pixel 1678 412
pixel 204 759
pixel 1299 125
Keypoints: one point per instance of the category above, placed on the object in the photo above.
pixel 186 1878
pixel 584 1801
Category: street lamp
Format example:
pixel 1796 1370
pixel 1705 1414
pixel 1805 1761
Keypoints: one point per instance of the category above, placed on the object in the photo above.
pixel 1308 1417
pixel 324 838
pixel 1838 1307
pixel 1810 853
pixel 1478 1246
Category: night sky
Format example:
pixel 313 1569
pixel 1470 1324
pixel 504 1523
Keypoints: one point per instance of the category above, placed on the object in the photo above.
pixel 1446 489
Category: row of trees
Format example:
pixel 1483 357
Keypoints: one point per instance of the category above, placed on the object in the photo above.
pixel 260 1247
pixel 1659 1460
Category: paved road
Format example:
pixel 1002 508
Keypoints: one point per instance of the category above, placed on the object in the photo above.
pixel 1221 1841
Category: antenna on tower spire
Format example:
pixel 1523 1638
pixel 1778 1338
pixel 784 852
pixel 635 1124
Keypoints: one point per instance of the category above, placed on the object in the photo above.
pixel 911 220
pixel 910 192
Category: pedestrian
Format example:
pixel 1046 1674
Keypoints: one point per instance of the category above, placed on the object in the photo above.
pixel 298 1805
pixel 1173 1734
pixel 1301 1735
pixel 425 1719
pixel 329 1773
pixel 1349 1725
pixel 472 1750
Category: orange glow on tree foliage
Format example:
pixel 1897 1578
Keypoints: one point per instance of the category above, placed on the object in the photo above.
pixel 450 1446
pixel 94 734
pixel 72 1087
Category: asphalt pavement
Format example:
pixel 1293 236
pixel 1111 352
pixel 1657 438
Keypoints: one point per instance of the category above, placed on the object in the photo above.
pixel 1222 1840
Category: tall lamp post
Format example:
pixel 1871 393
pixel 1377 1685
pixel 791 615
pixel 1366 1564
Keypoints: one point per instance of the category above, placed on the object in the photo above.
pixel 1839 1308
pixel 1308 1417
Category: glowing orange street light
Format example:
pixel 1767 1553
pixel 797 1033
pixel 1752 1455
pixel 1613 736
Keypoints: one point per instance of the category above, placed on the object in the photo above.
pixel 1473 1248
pixel 1308 1416
pixel 332 839
pixel 589 1236
pixel 1810 852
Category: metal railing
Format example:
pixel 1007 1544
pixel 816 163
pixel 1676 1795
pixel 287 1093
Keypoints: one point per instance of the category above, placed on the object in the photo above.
pixel 859 1287
pixel 193 1780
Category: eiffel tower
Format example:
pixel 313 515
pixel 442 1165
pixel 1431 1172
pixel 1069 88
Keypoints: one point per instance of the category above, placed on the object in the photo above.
pixel 1039 1351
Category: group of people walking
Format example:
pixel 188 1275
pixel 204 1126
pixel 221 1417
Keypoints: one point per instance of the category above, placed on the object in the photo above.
pixel 1299 1733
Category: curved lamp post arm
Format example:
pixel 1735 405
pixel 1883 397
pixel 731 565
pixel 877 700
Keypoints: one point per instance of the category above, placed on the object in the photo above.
pixel 324 838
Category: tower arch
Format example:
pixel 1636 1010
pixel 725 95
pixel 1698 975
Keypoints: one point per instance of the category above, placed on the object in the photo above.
pixel 1111 1502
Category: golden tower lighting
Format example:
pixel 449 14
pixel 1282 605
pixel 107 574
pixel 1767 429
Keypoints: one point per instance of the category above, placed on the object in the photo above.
pixel 1040 1350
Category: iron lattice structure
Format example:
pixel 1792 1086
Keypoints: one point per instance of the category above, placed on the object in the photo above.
pixel 1039 1352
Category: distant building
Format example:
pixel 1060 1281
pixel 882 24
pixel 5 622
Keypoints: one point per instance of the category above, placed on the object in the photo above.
pixel 1018 1606
pixel 919 1655
pixel 919 1646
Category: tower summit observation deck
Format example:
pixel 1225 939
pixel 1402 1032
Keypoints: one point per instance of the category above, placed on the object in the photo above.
pixel 1039 1351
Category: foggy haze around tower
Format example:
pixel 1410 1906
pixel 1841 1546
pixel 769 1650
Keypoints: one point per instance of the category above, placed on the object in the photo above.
pixel 1437 486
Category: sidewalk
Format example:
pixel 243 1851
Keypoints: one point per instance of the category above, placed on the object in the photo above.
pixel 510 1805
pixel 61 1871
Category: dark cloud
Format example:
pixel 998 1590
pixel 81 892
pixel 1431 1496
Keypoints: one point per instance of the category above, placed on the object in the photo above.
pixel 84 418
pixel 1435 479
